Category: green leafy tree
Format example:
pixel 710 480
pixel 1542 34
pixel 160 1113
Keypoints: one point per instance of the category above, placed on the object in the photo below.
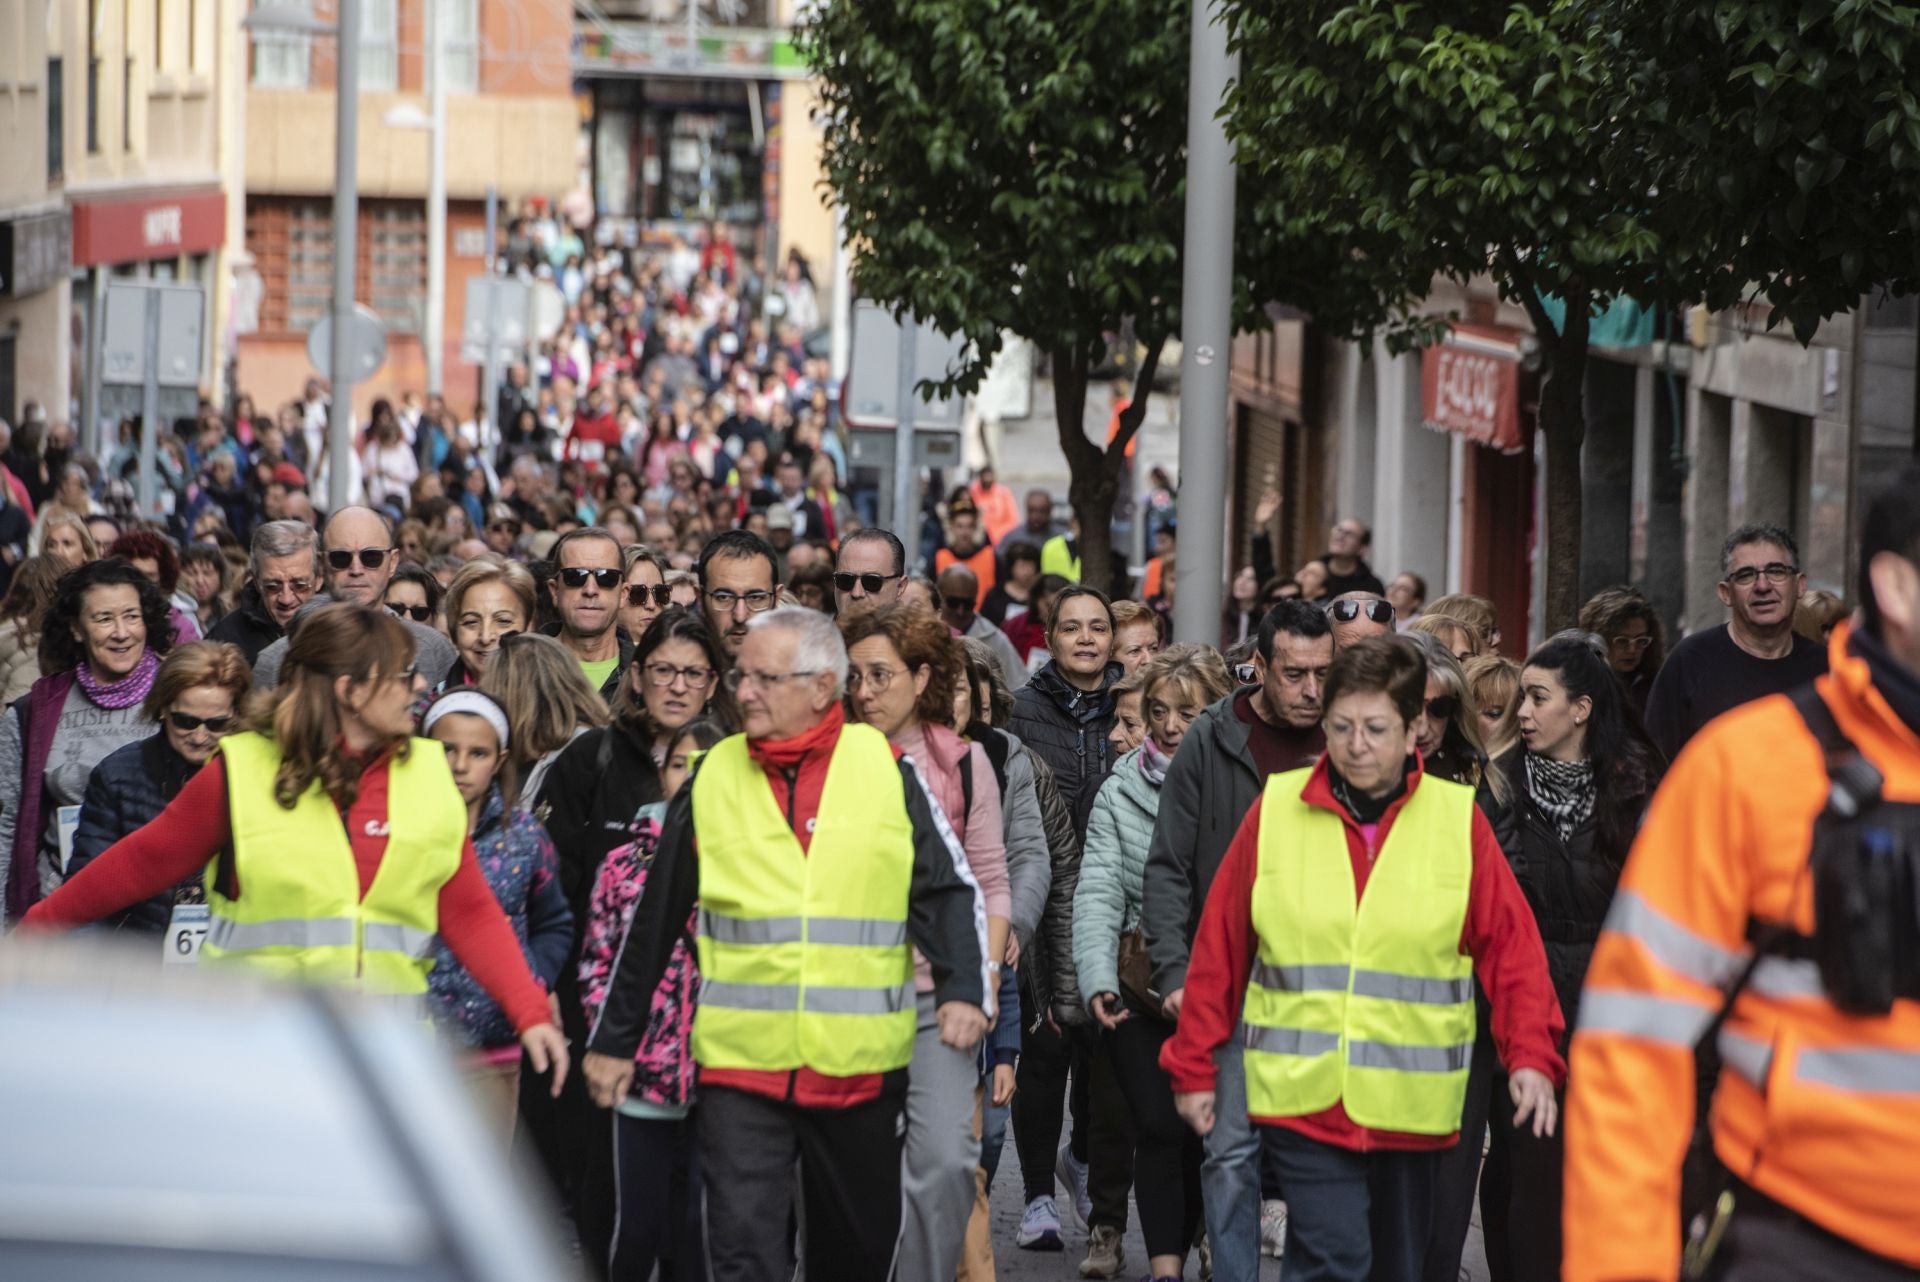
pixel 1014 166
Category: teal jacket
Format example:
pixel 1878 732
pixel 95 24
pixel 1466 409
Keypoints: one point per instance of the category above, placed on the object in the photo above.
pixel 1112 874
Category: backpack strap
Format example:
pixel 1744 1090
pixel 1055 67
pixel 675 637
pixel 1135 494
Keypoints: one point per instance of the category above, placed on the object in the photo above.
pixel 966 780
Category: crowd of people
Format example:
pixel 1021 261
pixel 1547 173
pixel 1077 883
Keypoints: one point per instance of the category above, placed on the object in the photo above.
pixel 765 880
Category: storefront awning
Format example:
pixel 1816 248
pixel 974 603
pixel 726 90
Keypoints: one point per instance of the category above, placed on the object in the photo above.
pixel 1470 384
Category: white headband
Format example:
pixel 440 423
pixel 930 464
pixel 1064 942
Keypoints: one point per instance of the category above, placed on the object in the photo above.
pixel 474 704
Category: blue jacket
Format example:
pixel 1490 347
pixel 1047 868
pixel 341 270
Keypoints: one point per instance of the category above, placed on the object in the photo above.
pixel 127 790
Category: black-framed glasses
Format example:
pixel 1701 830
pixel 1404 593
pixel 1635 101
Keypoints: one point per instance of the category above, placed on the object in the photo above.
pixel 1348 611
pixel 665 674
pixel 662 594
pixel 756 601
pixel 186 724
pixel 1777 572
pixel 576 576
pixel 1442 707
pixel 371 558
pixel 418 613
pixel 871 582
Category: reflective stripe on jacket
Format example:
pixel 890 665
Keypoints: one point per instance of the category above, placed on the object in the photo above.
pixel 1366 1001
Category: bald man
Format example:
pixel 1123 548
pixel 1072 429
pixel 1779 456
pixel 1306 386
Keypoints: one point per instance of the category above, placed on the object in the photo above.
pixel 959 589
pixel 1358 615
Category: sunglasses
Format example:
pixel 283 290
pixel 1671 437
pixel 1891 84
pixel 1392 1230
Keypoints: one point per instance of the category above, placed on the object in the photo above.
pixel 662 594
pixel 418 613
pixel 1348 611
pixel 871 582
pixel 371 558
pixel 962 603
pixel 187 725
pixel 504 527
pixel 1442 708
pixel 575 576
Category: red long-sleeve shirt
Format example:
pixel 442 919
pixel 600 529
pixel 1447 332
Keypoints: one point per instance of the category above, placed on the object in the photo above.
pixel 1499 934
pixel 197 825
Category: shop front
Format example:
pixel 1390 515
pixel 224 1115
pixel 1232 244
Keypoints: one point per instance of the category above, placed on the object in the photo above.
pixel 35 257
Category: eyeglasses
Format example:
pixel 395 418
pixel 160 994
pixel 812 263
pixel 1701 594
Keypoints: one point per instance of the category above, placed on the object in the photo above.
pixel 1442 707
pixel 575 576
pixel 418 613
pixel 1348 611
pixel 871 582
pixel 664 674
pixel 275 587
pixel 743 676
pixel 187 725
pixel 1776 572
pixel 1632 643
pixel 662 594
pixel 756 601
pixel 371 558
pixel 879 679
pixel 961 604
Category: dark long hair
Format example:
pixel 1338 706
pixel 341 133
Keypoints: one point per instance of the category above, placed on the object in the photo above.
pixel 1626 765
pixel 61 651
pixel 677 623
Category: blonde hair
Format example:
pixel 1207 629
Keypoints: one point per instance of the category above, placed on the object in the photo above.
pixel 1494 678
pixel 1475 611
pixel 54 516
pixel 1444 628
pixel 492 569
pixel 544 692
pixel 195 664
pixel 1198 670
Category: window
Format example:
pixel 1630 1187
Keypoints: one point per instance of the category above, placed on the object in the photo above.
pixel 396 256
pixel 379 45
pixel 309 264
pixel 282 59
pixel 56 122
pixel 460 44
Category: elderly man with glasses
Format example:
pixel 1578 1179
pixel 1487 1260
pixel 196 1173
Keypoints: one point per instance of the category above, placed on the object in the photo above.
pixel 1358 615
pixel 1757 652
pixel 818 864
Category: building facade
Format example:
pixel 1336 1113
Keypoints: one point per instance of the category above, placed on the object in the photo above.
pixel 512 125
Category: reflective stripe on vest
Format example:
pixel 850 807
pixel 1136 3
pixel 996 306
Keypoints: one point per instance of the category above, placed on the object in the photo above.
pixel 300 914
pixel 803 955
pixel 1364 1001
pixel 1862 1070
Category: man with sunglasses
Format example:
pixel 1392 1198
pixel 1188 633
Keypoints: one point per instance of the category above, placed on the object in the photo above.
pixel 871 570
pixel 958 592
pixel 1358 615
pixel 357 556
pixel 1757 652
pixel 739 579
pixel 589 577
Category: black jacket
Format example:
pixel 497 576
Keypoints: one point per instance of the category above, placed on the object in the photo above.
pixel 1569 884
pixel 127 790
pixel 1066 727
pixel 1046 968
pixel 941 919
pixel 247 626
pixel 591 794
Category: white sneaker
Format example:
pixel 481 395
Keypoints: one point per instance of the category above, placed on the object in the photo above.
pixel 1039 1227
pixel 1072 1174
pixel 1273 1228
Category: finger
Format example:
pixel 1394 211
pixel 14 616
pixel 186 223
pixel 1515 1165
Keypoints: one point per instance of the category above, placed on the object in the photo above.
pixel 537 1054
pixel 559 1068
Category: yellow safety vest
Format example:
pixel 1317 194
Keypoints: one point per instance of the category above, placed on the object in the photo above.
pixel 1363 1001
pixel 1057 558
pixel 803 954
pixel 300 914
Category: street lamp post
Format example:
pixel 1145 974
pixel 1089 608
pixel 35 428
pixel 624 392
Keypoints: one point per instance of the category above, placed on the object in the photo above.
pixel 435 123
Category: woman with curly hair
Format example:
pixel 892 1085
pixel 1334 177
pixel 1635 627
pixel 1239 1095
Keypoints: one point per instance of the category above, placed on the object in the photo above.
pixel 1636 643
pixel 100 646
pixel 335 843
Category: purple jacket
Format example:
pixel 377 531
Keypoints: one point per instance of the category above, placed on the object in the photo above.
pixel 40 719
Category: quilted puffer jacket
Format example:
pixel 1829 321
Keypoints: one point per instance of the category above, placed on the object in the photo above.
pixel 1112 874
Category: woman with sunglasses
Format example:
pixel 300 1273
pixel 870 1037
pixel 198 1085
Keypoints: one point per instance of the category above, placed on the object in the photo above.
pixel 335 843
pixel 645 593
pixel 413 593
pixel 1636 643
pixel 196 698
pixel 487 602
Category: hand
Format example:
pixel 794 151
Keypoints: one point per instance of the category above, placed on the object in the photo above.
pixel 1002 1085
pixel 547 1048
pixel 1170 1004
pixel 962 1025
pixel 1108 1011
pixel 1013 951
pixel 1197 1108
pixel 1533 1094
pixel 609 1078
pixel 1268 507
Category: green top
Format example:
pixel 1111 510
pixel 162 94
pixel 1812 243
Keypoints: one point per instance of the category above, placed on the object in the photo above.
pixel 599 672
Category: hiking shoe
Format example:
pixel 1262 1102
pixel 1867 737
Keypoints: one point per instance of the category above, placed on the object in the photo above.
pixel 1206 1257
pixel 1104 1253
pixel 1273 1227
pixel 1072 1174
pixel 1039 1227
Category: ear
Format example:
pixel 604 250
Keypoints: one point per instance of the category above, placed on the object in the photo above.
pixel 343 690
pixel 922 675
pixel 1582 710
pixel 1896 591
pixel 1724 592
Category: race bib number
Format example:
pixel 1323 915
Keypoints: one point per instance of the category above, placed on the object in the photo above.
pixel 185 932
pixel 67 819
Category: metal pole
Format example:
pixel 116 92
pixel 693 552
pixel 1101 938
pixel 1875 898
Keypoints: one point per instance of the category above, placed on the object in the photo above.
pixel 491 431
pixel 906 477
pixel 1206 329
pixel 842 349
pixel 150 402
pixel 96 337
pixel 346 254
pixel 436 200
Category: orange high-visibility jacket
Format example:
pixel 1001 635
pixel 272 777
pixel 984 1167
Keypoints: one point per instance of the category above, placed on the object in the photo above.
pixel 1817 1109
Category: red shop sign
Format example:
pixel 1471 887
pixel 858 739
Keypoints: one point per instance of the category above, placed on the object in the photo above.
pixel 148 227
pixel 1473 392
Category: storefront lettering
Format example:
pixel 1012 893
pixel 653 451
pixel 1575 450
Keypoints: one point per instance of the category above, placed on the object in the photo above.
pixel 1473 394
pixel 161 227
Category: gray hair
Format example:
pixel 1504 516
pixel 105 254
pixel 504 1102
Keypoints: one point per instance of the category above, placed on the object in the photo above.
pixel 284 538
pixel 819 647
pixel 1757 532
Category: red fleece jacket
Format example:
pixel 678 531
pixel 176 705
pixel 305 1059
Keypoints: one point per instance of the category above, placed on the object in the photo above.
pixel 197 825
pixel 1499 934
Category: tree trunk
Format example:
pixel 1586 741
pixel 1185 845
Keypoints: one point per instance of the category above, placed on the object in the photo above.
pixel 1093 472
pixel 1563 418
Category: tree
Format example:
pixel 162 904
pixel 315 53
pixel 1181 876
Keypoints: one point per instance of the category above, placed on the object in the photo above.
pixel 1717 150
pixel 1014 166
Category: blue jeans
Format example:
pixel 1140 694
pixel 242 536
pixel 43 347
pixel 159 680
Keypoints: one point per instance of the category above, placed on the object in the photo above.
pixel 993 1133
pixel 1230 1173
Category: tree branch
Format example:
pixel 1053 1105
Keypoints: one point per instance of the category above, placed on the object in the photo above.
pixel 1523 285
pixel 1136 412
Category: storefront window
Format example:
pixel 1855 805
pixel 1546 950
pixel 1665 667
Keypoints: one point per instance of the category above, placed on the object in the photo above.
pixel 679 151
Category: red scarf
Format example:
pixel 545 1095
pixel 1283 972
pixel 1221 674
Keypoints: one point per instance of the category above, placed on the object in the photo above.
pixel 778 754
